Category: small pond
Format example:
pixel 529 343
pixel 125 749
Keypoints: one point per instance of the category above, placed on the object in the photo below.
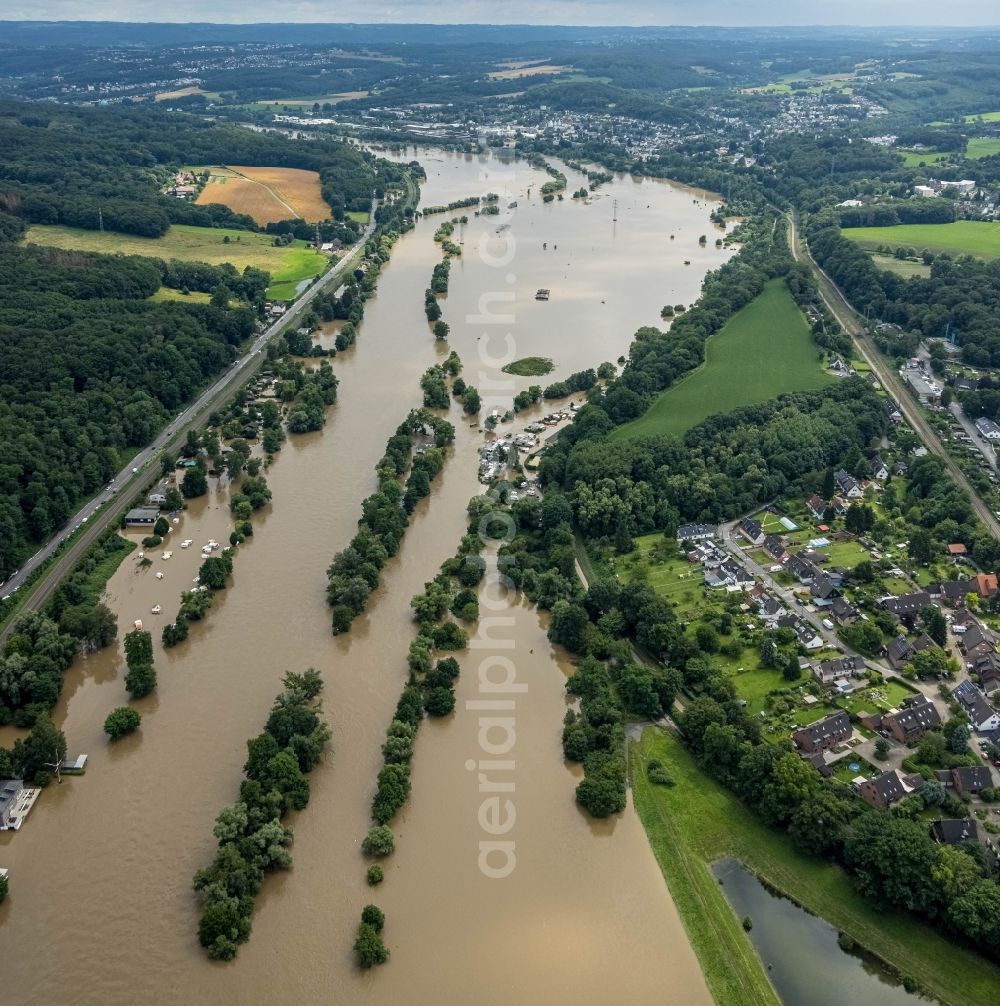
pixel 807 965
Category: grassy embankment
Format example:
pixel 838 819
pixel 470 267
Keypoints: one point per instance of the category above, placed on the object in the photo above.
pixel 760 353
pixel 963 237
pixel 287 266
pixel 901 267
pixel 530 366
pixel 697 822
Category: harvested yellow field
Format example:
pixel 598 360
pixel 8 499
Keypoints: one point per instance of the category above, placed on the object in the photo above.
pixel 266 194
pixel 516 72
pixel 181 93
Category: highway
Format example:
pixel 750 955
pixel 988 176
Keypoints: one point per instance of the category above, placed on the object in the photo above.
pixel 107 507
pixel 890 380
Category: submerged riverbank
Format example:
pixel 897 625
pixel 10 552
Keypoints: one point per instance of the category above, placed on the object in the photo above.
pixel 584 913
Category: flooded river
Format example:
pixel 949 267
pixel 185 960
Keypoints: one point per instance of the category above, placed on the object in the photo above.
pixel 101 909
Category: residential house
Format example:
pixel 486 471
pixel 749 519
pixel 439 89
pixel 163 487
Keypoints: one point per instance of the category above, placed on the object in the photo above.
pixel 988 429
pixel 983 716
pixel 806 635
pixel 899 468
pixel 989 674
pixel 843 612
pixel 156 499
pixel 955 831
pixel 823 591
pixel 817 506
pixel 913 718
pixel 769 609
pixel 695 532
pixel 824 734
pixel 818 762
pixel 986 584
pixel 971 779
pixel 924 642
pixel 839 506
pixel 976 643
pixel 953 592
pixel 892 411
pixel 956 550
pixel 848 485
pixel 879 469
pixel 775 547
pixel 882 791
pixel 801 569
pixel 899 652
pixel 906 607
pixel 751 530
pixel 966 384
pixel 827 671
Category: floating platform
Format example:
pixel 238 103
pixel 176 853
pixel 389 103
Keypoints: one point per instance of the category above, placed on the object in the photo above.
pixel 542 294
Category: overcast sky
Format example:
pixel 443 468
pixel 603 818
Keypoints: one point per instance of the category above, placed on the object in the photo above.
pixel 577 12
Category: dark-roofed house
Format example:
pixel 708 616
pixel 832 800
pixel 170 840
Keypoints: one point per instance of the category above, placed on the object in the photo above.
pixel 971 779
pixel 982 714
pixel 879 469
pixel 804 632
pixel 751 530
pixel 899 652
pixel 143 515
pixel 974 636
pixel 818 762
pixel 824 734
pixel 882 791
pixel 775 547
pixel 801 569
pixel 989 674
pixel 912 718
pixel 695 532
pixel 848 485
pixel 954 592
pixel 823 591
pixel 844 613
pixel 842 667
pixel 817 506
pixel 955 831
pixel 906 607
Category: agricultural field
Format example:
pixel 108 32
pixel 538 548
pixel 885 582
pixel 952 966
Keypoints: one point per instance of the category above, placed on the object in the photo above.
pixel 182 92
pixel 266 194
pixel 741 367
pixel 914 158
pixel 695 822
pixel 901 267
pixel 168 293
pixel 963 237
pixel 984 117
pixel 288 266
pixel 982 146
pixel 515 72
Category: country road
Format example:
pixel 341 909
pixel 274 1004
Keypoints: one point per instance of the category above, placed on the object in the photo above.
pixel 106 509
pixel 889 379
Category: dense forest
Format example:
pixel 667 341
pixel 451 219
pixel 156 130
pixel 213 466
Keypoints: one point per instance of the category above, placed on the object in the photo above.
pixel 77 166
pixel 90 368
pixel 961 296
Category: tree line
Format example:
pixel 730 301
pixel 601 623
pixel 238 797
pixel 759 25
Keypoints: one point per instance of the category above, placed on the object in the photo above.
pixel 252 839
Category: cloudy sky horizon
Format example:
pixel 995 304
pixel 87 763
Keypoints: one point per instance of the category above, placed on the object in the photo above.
pixel 743 13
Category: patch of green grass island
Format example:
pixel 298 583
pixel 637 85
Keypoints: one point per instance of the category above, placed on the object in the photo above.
pixel 529 366
pixel 763 351
pixel 696 822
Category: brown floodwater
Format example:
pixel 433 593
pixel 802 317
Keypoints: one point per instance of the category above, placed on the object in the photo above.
pixel 101 907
